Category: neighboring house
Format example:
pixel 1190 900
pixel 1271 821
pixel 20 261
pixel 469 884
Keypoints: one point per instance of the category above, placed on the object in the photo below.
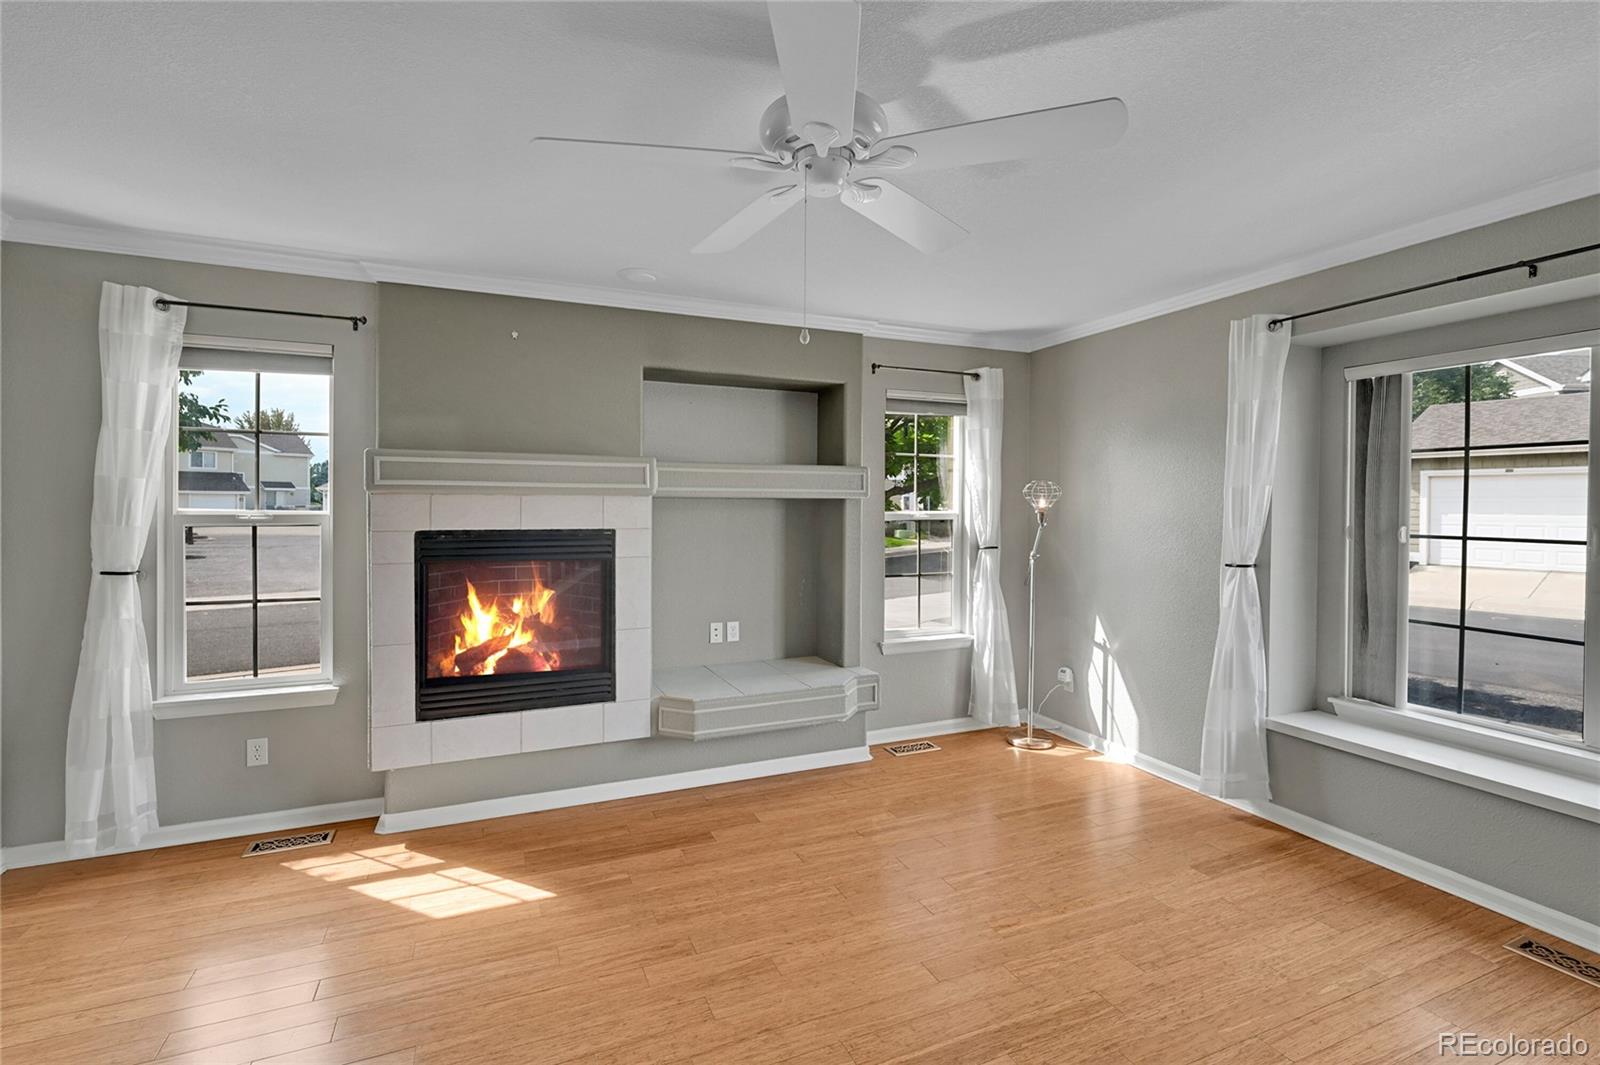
pixel 221 474
pixel 1559 371
pixel 1529 480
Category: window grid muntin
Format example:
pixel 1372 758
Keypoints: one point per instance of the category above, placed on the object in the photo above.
pixel 1461 627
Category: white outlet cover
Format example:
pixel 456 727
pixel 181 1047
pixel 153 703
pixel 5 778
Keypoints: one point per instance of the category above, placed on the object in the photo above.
pixel 733 632
pixel 255 752
pixel 716 632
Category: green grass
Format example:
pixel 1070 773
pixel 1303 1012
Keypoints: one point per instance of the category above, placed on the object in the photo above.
pixel 895 541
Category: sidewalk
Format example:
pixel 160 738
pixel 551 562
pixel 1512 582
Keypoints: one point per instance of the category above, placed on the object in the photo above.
pixel 1519 592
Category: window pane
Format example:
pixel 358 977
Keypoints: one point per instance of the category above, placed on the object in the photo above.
pixel 1438 411
pixel 934 435
pixel 217 641
pixel 936 483
pixel 898 473
pixel 215 397
pixel 936 592
pixel 899 603
pixel 291 638
pixel 1431 655
pixel 290 465
pixel 289 562
pixel 291 401
pixel 937 547
pixel 1514 409
pixel 216 563
pixel 1533 683
pixel 1519 588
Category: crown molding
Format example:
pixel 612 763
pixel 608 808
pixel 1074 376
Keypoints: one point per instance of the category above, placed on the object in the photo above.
pixel 214 252
pixel 249 256
pixel 1525 201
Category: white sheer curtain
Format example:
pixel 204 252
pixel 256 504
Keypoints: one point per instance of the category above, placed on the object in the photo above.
pixel 994 673
pixel 1233 746
pixel 111 799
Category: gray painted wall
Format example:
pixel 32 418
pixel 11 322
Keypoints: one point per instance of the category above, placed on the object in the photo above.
pixel 1134 420
pixel 51 413
pixel 935 685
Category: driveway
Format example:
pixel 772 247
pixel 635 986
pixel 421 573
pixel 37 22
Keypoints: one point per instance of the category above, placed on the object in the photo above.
pixel 1531 682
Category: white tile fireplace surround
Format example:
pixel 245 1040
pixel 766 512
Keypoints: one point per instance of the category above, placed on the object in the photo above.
pixel 398 739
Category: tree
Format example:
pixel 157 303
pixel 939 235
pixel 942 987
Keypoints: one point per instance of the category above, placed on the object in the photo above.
pixel 319 478
pixel 922 436
pixel 1433 387
pixel 276 420
pixel 193 412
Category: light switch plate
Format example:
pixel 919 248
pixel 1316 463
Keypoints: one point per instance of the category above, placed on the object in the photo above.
pixel 733 632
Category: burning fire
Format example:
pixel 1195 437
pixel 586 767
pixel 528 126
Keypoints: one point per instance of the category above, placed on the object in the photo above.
pixel 494 639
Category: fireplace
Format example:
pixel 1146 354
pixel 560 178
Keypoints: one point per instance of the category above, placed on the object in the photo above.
pixel 514 620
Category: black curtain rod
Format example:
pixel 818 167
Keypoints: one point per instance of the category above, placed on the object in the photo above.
pixel 1531 265
pixel 923 369
pixel 356 320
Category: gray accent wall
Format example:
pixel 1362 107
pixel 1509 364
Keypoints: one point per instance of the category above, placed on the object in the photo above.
pixel 1134 417
pixel 51 401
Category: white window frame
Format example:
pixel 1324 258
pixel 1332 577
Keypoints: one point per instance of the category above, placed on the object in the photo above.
pixel 179 696
pixel 956 633
pixel 1474 733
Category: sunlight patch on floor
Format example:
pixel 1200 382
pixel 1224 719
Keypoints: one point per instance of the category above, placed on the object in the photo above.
pixel 437 893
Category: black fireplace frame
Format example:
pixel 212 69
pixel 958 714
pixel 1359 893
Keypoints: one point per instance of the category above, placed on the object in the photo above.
pixel 447 697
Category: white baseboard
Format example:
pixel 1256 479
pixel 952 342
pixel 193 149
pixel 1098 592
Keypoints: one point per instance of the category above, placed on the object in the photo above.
pixel 923 730
pixel 435 816
pixel 1568 927
pixel 28 854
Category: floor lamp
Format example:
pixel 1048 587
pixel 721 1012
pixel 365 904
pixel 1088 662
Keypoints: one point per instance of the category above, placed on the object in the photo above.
pixel 1041 496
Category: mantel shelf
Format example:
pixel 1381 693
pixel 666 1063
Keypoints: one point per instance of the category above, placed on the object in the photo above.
pixel 758 481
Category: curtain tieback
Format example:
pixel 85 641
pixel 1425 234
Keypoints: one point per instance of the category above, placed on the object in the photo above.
pixel 1238 565
pixel 119 573
pixel 989 547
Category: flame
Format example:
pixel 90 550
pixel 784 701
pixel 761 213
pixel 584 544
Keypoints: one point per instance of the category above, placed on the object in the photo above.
pixel 516 626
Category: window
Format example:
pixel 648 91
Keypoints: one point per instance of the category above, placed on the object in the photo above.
pixel 922 535
pixel 1467 577
pixel 247 537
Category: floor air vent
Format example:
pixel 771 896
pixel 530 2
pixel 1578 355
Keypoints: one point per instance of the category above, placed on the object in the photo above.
pixel 1577 968
pixel 914 747
pixel 290 843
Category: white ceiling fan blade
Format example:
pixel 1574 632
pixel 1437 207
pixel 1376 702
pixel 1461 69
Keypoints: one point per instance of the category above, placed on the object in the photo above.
pixel 1052 132
pixel 624 153
pixel 754 217
pixel 818 43
pixel 904 215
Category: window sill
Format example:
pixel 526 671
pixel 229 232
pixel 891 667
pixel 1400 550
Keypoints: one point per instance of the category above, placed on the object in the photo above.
pixel 214 704
pixel 907 645
pixel 1549 775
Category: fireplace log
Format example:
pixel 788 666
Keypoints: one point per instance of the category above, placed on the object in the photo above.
pixel 471 658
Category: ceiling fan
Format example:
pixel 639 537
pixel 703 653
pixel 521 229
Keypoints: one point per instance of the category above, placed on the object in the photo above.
pixel 828 140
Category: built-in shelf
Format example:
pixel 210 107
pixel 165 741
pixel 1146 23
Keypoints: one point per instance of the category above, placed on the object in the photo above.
pixel 710 702
pixel 461 471
pixel 758 481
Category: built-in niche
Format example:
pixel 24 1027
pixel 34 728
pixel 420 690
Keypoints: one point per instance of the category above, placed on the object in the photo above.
pixel 753 519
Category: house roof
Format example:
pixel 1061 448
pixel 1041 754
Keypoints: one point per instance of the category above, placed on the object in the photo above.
pixel 283 443
pixel 211 481
pixel 277 484
pixel 1566 368
pixel 1547 419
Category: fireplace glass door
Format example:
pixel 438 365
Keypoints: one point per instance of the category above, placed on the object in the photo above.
pixel 514 620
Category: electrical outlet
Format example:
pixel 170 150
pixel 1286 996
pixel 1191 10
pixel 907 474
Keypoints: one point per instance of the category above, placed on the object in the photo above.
pixel 733 632
pixel 255 752
pixel 716 632
pixel 1064 675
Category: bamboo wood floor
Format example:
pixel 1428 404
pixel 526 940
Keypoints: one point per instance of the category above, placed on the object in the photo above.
pixel 975 905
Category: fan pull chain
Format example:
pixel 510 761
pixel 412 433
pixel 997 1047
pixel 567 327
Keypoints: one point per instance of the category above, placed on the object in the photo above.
pixel 805 264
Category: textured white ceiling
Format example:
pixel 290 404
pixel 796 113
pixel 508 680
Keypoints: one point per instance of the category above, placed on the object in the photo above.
pixel 1259 133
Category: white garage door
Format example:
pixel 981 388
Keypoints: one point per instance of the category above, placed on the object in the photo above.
pixel 1528 504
